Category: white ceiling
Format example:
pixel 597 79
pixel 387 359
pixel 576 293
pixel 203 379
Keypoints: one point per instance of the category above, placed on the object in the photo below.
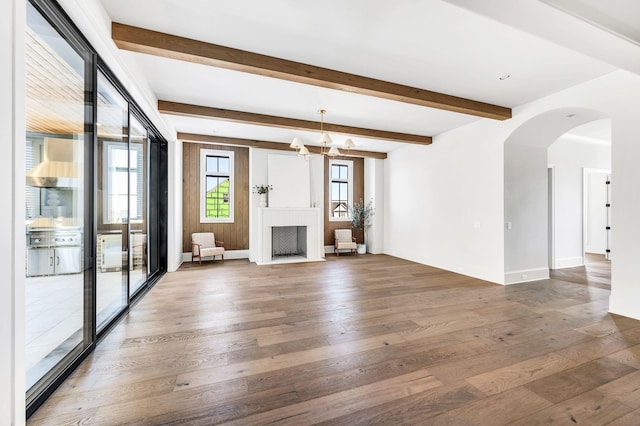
pixel 598 131
pixel 619 17
pixel 429 44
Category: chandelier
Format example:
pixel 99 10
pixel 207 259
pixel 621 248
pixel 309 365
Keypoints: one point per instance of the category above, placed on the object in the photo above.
pixel 326 144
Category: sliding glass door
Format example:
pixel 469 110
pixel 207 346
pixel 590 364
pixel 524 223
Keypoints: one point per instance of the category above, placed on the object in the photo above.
pixel 88 190
pixel 138 163
pixel 112 202
pixel 58 222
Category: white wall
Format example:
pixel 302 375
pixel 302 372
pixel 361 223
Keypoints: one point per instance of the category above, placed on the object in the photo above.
pixel 625 204
pixel 445 205
pixel 525 213
pixel 174 231
pixel 526 187
pixel 316 169
pixel 374 192
pixel 443 202
pixel 569 158
pixel 290 180
pixel 12 244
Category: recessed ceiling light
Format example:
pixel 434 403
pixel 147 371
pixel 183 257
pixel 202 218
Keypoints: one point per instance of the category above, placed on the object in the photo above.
pixel 505 77
pixel 571 115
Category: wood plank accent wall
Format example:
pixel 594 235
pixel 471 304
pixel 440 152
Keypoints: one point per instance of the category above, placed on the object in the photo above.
pixel 358 193
pixel 235 235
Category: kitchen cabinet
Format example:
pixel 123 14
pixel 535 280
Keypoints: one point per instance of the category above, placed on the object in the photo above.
pixel 52 261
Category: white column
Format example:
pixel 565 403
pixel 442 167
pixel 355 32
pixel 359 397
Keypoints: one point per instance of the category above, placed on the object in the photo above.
pixel 625 208
pixel 12 243
pixel 174 231
pixel 374 191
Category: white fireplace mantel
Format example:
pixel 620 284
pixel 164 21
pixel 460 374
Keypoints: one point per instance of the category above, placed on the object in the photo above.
pixel 270 217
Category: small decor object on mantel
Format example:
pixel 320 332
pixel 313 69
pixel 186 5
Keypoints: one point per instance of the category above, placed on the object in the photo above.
pixel 361 220
pixel 262 190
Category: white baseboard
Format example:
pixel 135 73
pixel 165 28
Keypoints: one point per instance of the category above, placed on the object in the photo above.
pixel 332 250
pixel 595 250
pixel 228 255
pixel 569 262
pixel 526 275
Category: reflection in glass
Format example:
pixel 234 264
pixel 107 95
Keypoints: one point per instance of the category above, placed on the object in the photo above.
pixel 218 187
pixel 339 195
pixel 54 199
pixel 138 206
pixel 113 212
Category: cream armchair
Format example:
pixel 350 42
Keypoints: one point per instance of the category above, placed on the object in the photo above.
pixel 344 240
pixel 204 244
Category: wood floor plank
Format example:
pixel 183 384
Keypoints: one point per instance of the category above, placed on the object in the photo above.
pixel 633 418
pixel 506 355
pixel 217 374
pixel 412 410
pixel 625 389
pixel 359 340
pixel 629 356
pixel 591 349
pixel 500 409
pixel 590 408
pixel 575 381
pixel 338 404
pixel 519 374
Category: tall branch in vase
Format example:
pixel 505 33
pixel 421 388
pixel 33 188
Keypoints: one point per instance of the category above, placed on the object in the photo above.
pixel 361 215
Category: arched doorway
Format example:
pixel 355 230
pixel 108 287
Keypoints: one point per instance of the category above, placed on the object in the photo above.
pixel 526 190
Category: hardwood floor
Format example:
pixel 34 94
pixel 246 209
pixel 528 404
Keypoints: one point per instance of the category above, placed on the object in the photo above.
pixel 360 340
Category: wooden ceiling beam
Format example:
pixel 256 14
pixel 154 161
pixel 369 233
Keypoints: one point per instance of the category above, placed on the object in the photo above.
pixel 175 108
pixel 171 46
pixel 193 137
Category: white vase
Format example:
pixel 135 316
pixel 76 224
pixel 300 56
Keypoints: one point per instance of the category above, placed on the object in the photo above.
pixel 263 200
pixel 362 249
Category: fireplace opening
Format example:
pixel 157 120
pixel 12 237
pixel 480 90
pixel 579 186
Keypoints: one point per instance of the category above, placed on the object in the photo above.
pixel 288 241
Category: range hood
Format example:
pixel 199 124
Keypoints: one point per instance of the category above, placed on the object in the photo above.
pixel 58 168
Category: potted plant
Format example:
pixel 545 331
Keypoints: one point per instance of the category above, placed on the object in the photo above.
pixel 262 190
pixel 361 214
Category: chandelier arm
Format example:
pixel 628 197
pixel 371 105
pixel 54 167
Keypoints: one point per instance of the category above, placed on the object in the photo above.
pixel 326 143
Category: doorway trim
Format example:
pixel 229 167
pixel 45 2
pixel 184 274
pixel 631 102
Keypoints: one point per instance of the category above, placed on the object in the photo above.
pixel 585 210
pixel 551 185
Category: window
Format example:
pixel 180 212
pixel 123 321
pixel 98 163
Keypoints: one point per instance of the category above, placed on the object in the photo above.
pixel 118 166
pixel 216 186
pixel 340 189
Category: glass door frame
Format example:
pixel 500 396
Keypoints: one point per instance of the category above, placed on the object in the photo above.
pixel 52 378
pixel 103 70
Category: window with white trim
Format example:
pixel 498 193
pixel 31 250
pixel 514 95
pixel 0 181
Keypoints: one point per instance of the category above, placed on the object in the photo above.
pixel 216 186
pixel 340 189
